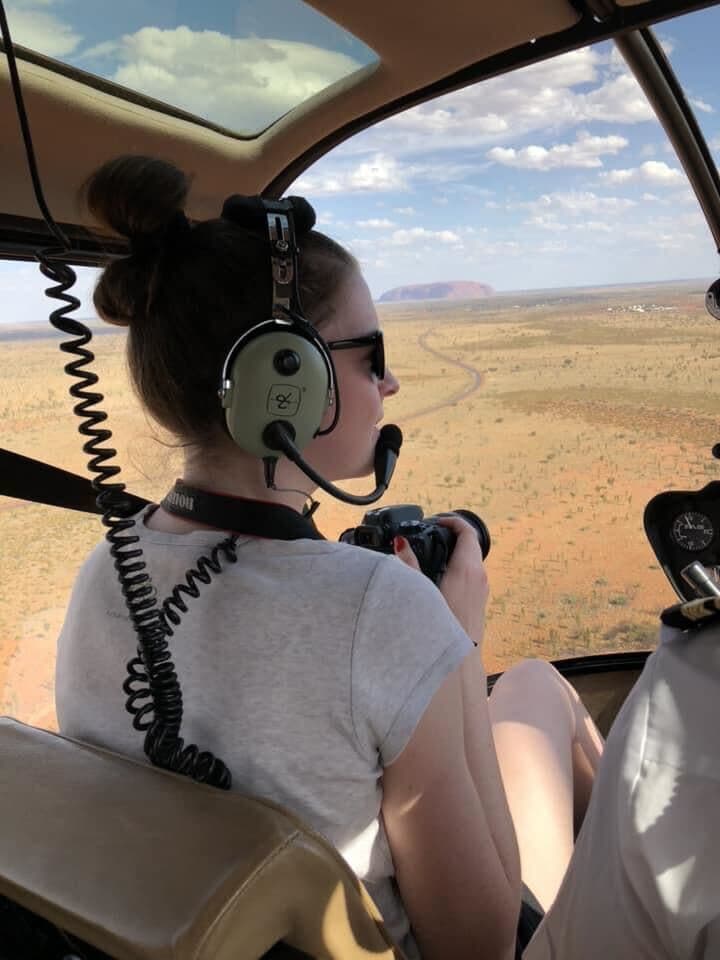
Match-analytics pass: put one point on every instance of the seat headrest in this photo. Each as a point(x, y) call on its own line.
point(147, 865)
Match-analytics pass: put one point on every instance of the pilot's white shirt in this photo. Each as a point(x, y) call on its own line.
point(644, 880)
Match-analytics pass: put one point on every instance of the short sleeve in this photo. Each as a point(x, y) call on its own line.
point(406, 641)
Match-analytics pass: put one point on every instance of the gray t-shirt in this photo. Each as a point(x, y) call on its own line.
point(305, 666)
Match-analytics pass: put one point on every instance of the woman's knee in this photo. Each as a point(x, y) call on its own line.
point(533, 688)
point(529, 675)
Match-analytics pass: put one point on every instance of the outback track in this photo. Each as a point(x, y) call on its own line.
point(472, 387)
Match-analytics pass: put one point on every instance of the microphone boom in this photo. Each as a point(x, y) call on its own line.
point(387, 451)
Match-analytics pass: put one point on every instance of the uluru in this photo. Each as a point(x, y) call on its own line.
point(444, 290)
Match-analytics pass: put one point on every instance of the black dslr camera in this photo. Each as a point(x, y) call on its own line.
point(431, 543)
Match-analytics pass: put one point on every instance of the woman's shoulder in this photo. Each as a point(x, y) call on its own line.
point(384, 572)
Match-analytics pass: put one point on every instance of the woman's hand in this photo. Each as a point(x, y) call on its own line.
point(464, 584)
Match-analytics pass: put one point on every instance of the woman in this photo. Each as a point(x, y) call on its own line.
point(331, 679)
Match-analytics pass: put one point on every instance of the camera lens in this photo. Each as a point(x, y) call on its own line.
point(483, 534)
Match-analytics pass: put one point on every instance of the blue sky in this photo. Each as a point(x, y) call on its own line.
point(558, 175)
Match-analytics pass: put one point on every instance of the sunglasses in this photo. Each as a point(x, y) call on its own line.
point(374, 340)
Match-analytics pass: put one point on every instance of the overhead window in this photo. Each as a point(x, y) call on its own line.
point(239, 64)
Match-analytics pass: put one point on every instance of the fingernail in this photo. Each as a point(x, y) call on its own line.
point(399, 543)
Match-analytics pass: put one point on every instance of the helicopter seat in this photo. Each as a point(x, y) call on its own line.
point(142, 864)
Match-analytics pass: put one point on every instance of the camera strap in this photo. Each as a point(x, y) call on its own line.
point(254, 518)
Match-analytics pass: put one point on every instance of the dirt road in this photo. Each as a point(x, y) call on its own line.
point(476, 379)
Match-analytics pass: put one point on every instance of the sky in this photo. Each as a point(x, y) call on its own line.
point(558, 175)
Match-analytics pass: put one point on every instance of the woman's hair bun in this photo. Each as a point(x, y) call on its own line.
point(136, 195)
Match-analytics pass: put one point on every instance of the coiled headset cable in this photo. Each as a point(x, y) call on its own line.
point(153, 689)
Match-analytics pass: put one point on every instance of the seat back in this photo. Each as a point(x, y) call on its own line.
point(147, 865)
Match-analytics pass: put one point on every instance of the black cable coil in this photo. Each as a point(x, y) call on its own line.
point(152, 686)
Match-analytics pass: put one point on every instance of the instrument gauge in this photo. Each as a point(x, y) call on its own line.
point(692, 530)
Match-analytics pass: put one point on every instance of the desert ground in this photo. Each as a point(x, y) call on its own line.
point(556, 416)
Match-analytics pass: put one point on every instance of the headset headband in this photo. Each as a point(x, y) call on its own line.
point(281, 222)
point(283, 255)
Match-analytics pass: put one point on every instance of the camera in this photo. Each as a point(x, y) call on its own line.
point(431, 543)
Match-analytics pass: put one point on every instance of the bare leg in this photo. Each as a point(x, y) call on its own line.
point(548, 750)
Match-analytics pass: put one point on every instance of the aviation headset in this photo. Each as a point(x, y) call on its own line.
point(280, 371)
point(278, 379)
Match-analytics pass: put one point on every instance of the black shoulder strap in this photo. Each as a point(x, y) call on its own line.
point(256, 518)
point(28, 479)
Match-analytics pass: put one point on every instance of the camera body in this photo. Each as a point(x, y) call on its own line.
point(431, 543)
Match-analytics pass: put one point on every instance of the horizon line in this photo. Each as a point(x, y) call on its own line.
point(700, 281)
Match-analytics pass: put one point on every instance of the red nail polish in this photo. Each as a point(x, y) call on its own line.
point(399, 543)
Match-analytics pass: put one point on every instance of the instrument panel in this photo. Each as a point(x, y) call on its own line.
point(683, 527)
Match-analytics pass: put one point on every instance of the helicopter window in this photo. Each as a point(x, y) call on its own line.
point(237, 65)
point(566, 369)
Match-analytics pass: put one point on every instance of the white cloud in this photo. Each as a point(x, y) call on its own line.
point(405, 211)
point(552, 248)
point(651, 171)
point(551, 223)
point(243, 83)
point(701, 105)
point(552, 94)
point(661, 173)
point(715, 143)
point(402, 238)
point(573, 203)
point(585, 152)
point(596, 226)
point(546, 223)
point(376, 223)
point(381, 173)
point(443, 170)
point(620, 176)
point(621, 100)
point(31, 26)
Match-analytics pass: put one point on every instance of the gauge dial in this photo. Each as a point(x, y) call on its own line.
point(692, 530)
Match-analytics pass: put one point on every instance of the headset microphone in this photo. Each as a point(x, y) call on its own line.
point(387, 451)
point(278, 436)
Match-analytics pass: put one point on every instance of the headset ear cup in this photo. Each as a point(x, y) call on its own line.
point(278, 374)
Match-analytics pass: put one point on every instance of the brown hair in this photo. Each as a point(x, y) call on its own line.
point(188, 292)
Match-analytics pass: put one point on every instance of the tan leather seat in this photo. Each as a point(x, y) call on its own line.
point(146, 865)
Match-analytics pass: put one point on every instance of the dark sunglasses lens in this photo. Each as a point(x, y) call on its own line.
point(378, 360)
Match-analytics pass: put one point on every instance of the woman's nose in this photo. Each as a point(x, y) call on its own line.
point(390, 384)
